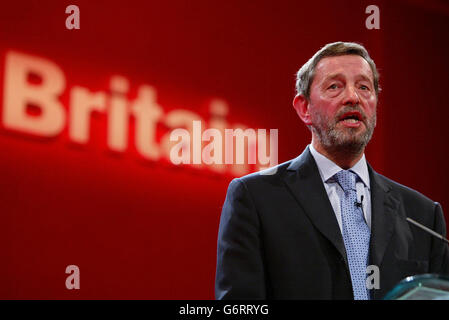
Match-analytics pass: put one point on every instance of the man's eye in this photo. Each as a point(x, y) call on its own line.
point(333, 86)
point(363, 87)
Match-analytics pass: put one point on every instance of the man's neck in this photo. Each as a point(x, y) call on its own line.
point(341, 157)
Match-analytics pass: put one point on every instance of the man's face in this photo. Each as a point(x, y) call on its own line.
point(343, 103)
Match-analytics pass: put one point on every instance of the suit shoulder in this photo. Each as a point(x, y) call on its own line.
point(406, 193)
point(269, 175)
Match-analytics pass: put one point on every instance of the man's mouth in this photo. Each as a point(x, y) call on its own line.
point(351, 117)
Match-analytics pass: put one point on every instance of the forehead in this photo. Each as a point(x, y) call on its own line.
point(348, 65)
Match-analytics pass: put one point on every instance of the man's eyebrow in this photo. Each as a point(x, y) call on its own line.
point(364, 77)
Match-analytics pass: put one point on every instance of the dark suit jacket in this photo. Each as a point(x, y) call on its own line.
point(279, 237)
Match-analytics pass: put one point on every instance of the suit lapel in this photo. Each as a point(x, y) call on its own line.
point(383, 207)
point(304, 181)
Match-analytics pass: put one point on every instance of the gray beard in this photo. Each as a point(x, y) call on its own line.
point(341, 140)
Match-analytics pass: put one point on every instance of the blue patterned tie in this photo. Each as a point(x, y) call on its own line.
point(356, 234)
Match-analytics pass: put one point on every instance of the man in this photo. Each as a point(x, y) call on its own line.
point(312, 229)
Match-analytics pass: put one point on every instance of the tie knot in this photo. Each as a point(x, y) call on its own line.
point(346, 179)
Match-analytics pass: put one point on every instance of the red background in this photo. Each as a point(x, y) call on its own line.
point(147, 230)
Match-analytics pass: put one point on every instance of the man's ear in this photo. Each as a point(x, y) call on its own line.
point(301, 105)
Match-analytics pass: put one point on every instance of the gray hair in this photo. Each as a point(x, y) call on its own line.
point(306, 73)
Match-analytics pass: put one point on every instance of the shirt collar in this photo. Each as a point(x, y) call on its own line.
point(328, 168)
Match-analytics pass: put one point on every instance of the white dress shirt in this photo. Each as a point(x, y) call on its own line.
point(328, 169)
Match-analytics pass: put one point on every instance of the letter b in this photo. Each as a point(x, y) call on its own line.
point(19, 93)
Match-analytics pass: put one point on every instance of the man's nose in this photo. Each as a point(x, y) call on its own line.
point(351, 96)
